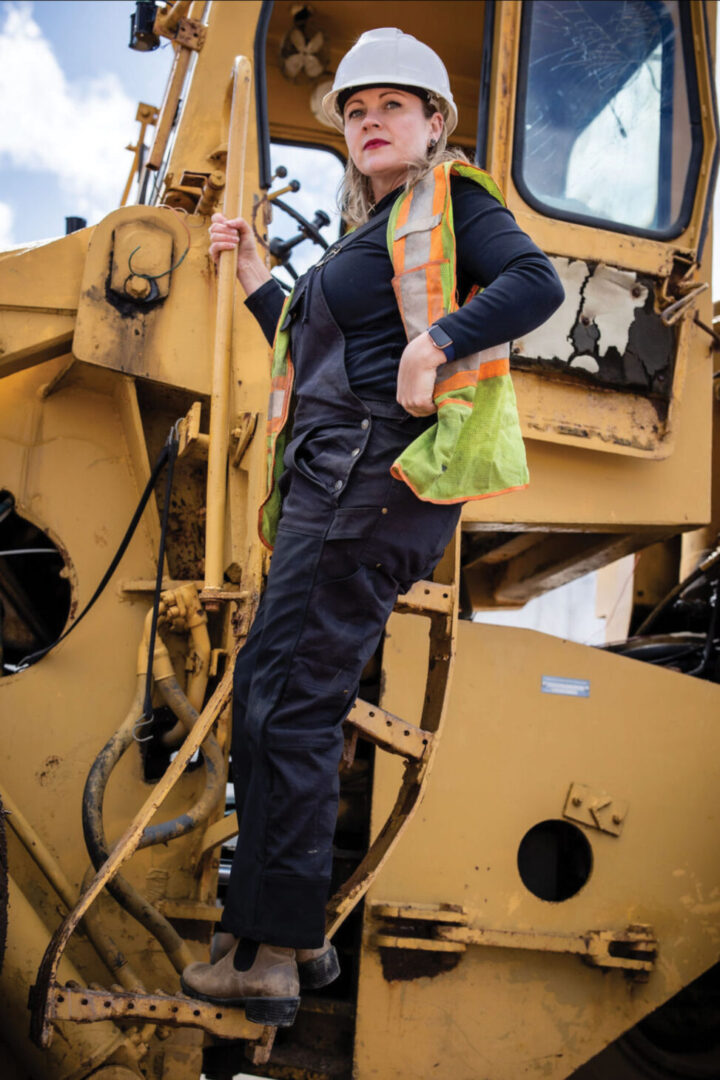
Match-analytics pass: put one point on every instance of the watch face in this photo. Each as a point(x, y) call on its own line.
point(441, 339)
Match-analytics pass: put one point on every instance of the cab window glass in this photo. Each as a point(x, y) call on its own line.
point(608, 126)
point(319, 172)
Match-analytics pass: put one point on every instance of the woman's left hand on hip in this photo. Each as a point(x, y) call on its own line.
point(416, 375)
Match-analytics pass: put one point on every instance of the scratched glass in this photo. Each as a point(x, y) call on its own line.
point(604, 128)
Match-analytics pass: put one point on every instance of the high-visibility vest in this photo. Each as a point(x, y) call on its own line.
point(475, 449)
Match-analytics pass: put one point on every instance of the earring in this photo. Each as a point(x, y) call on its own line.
point(432, 144)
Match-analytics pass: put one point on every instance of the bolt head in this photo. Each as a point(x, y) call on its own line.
point(138, 288)
point(577, 801)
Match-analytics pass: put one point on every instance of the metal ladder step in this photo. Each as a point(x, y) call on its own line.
point(387, 731)
point(85, 1005)
point(427, 598)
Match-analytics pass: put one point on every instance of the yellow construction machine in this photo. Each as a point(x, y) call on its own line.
point(526, 861)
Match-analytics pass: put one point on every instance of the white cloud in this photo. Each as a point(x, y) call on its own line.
point(75, 129)
point(6, 227)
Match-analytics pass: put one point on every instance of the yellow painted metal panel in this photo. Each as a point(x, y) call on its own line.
point(508, 757)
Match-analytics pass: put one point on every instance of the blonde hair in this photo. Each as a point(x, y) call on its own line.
point(355, 196)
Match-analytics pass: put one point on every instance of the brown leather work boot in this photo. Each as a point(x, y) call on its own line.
point(262, 978)
point(222, 942)
point(317, 967)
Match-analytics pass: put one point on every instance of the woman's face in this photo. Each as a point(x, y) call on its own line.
point(385, 130)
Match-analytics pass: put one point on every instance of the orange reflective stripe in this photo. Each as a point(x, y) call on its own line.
point(399, 246)
point(438, 207)
point(435, 300)
point(459, 381)
point(399, 473)
point(455, 401)
point(494, 367)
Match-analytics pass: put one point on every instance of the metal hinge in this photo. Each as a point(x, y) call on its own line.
point(451, 928)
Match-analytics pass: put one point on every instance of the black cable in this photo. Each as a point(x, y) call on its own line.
point(262, 123)
point(702, 570)
point(163, 456)
point(172, 448)
point(712, 628)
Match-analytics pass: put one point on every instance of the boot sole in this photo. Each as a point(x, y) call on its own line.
point(319, 972)
point(270, 1011)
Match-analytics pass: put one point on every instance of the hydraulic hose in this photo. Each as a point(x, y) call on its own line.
point(93, 797)
point(706, 565)
point(215, 771)
point(114, 959)
point(198, 678)
point(126, 894)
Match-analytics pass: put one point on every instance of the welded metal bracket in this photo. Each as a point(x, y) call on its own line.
point(596, 809)
point(451, 928)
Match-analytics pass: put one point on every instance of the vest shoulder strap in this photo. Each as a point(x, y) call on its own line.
point(421, 243)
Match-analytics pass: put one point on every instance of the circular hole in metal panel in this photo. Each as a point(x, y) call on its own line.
point(554, 860)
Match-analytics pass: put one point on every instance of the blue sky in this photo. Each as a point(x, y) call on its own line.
point(70, 88)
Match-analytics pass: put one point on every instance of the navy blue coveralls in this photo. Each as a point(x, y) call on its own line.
point(350, 538)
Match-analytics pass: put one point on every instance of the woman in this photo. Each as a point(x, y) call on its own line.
point(374, 391)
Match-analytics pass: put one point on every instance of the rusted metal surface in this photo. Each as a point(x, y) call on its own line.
point(606, 332)
point(259, 1052)
point(400, 963)
point(85, 1006)
point(191, 34)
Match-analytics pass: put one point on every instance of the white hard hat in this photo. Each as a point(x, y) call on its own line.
point(388, 57)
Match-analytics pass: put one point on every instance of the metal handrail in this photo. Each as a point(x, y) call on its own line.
point(220, 395)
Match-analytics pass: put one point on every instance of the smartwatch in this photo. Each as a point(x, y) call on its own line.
point(442, 341)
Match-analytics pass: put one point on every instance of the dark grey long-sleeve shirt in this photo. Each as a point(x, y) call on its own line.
point(520, 291)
